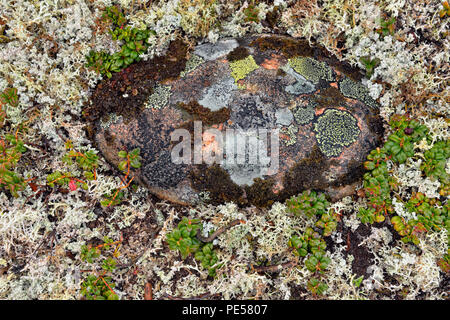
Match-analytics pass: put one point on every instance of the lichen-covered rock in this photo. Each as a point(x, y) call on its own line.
point(260, 95)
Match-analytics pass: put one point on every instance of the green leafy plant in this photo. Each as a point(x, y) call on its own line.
point(308, 203)
point(444, 263)
point(183, 238)
point(208, 258)
point(370, 65)
point(436, 160)
point(11, 150)
point(87, 161)
point(316, 287)
point(445, 11)
point(130, 160)
point(317, 262)
point(387, 27)
point(251, 13)
point(378, 182)
point(98, 285)
point(134, 44)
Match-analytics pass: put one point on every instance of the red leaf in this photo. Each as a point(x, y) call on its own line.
point(72, 185)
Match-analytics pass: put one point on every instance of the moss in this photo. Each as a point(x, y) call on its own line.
point(356, 90)
point(305, 175)
point(311, 69)
point(241, 68)
point(260, 192)
point(127, 91)
point(287, 46)
point(304, 115)
point(335, 129)
point(208, 117)
point(238, 53)
point(218, 183)
point(329, 97)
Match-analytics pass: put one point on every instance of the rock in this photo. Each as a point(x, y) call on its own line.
point(295, 118)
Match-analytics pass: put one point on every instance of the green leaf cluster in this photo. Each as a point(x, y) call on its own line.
point(183, 238)
point(308, 203)
point(132, 157)
point(11, 150)
point(436, 160)
point(95, 286)
point(134, 44)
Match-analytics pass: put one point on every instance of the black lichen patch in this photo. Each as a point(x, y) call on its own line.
point(238, 53)
point(126, 92)
point(200, 113)
point(162, 172)
point(218, 183)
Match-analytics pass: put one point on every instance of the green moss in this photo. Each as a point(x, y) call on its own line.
point(241, 68)
point(356, 90)
point(311, 69)
point(335, 129)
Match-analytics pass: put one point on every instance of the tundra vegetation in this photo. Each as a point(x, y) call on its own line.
point(65, 212)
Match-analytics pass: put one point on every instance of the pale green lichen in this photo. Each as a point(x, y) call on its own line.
point(335, 129)
point(304, 115)
point(241, 68)
point(290, 131)
point(311, 69)
point(159, 98)
point(192, 64)
point(356, 90)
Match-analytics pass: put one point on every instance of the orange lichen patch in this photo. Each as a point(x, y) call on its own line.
point(271, 64)
point(334, 84)
point(210, 144)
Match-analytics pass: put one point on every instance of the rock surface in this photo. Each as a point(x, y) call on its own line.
point(327, 121)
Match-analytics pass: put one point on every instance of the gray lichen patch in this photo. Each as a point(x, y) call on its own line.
point(112, 118)
point(335, 129)
point(301, 86)
point(159, 98)
point(356, 90)
point(209, 51)
point(218, 95)
point(311, 69)
point(284, 116)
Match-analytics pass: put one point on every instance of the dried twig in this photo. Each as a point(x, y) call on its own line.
point(274, 268)
point(219, 231)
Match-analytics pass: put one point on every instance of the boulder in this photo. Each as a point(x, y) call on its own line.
point(251, 120)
